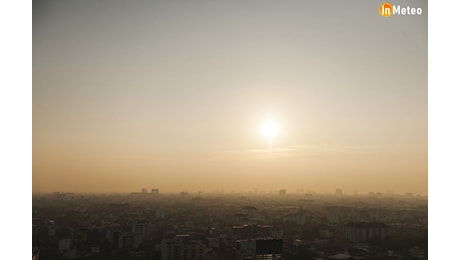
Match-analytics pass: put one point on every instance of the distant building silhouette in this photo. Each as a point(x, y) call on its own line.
point(282, 192)
point(144, 192)
point(338, 192)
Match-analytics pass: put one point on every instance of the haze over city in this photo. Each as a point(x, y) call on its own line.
point(234, 96)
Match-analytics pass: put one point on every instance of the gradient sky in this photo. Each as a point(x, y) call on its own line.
point(171, 95)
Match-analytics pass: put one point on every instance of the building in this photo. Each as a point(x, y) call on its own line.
point(182, 247)
point(140, 231)
point(260, 249)
point(366, 231)
point(282, 192)
point(338, 192)
point(417, 253)
point(144, 192)
point(269, 249)
point(160, 213)
point(250, 211)
point(298, 218)
point(251, 231)
point(126, 240)
point(64, 244)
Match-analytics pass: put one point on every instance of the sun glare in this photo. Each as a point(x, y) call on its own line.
point(269, 129)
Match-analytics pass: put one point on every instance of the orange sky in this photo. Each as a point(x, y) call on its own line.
point(172, 95)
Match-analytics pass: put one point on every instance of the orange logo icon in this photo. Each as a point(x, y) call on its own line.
point(386, 10)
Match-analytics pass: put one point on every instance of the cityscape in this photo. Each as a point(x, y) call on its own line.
point(233, 130)
point(278, 225)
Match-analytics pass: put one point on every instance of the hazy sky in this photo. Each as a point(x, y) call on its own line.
point(172, 94)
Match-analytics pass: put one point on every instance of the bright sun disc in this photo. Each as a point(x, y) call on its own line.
point(269, 129)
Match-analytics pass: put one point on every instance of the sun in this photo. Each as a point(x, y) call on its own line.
point(269, 129)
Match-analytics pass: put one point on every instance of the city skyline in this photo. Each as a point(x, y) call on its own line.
point(174, 95)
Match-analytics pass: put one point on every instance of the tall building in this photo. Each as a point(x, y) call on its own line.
point(282, 192)
point(140, 231)
point(182, 247)
point(260, 249)
point(366, 231)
